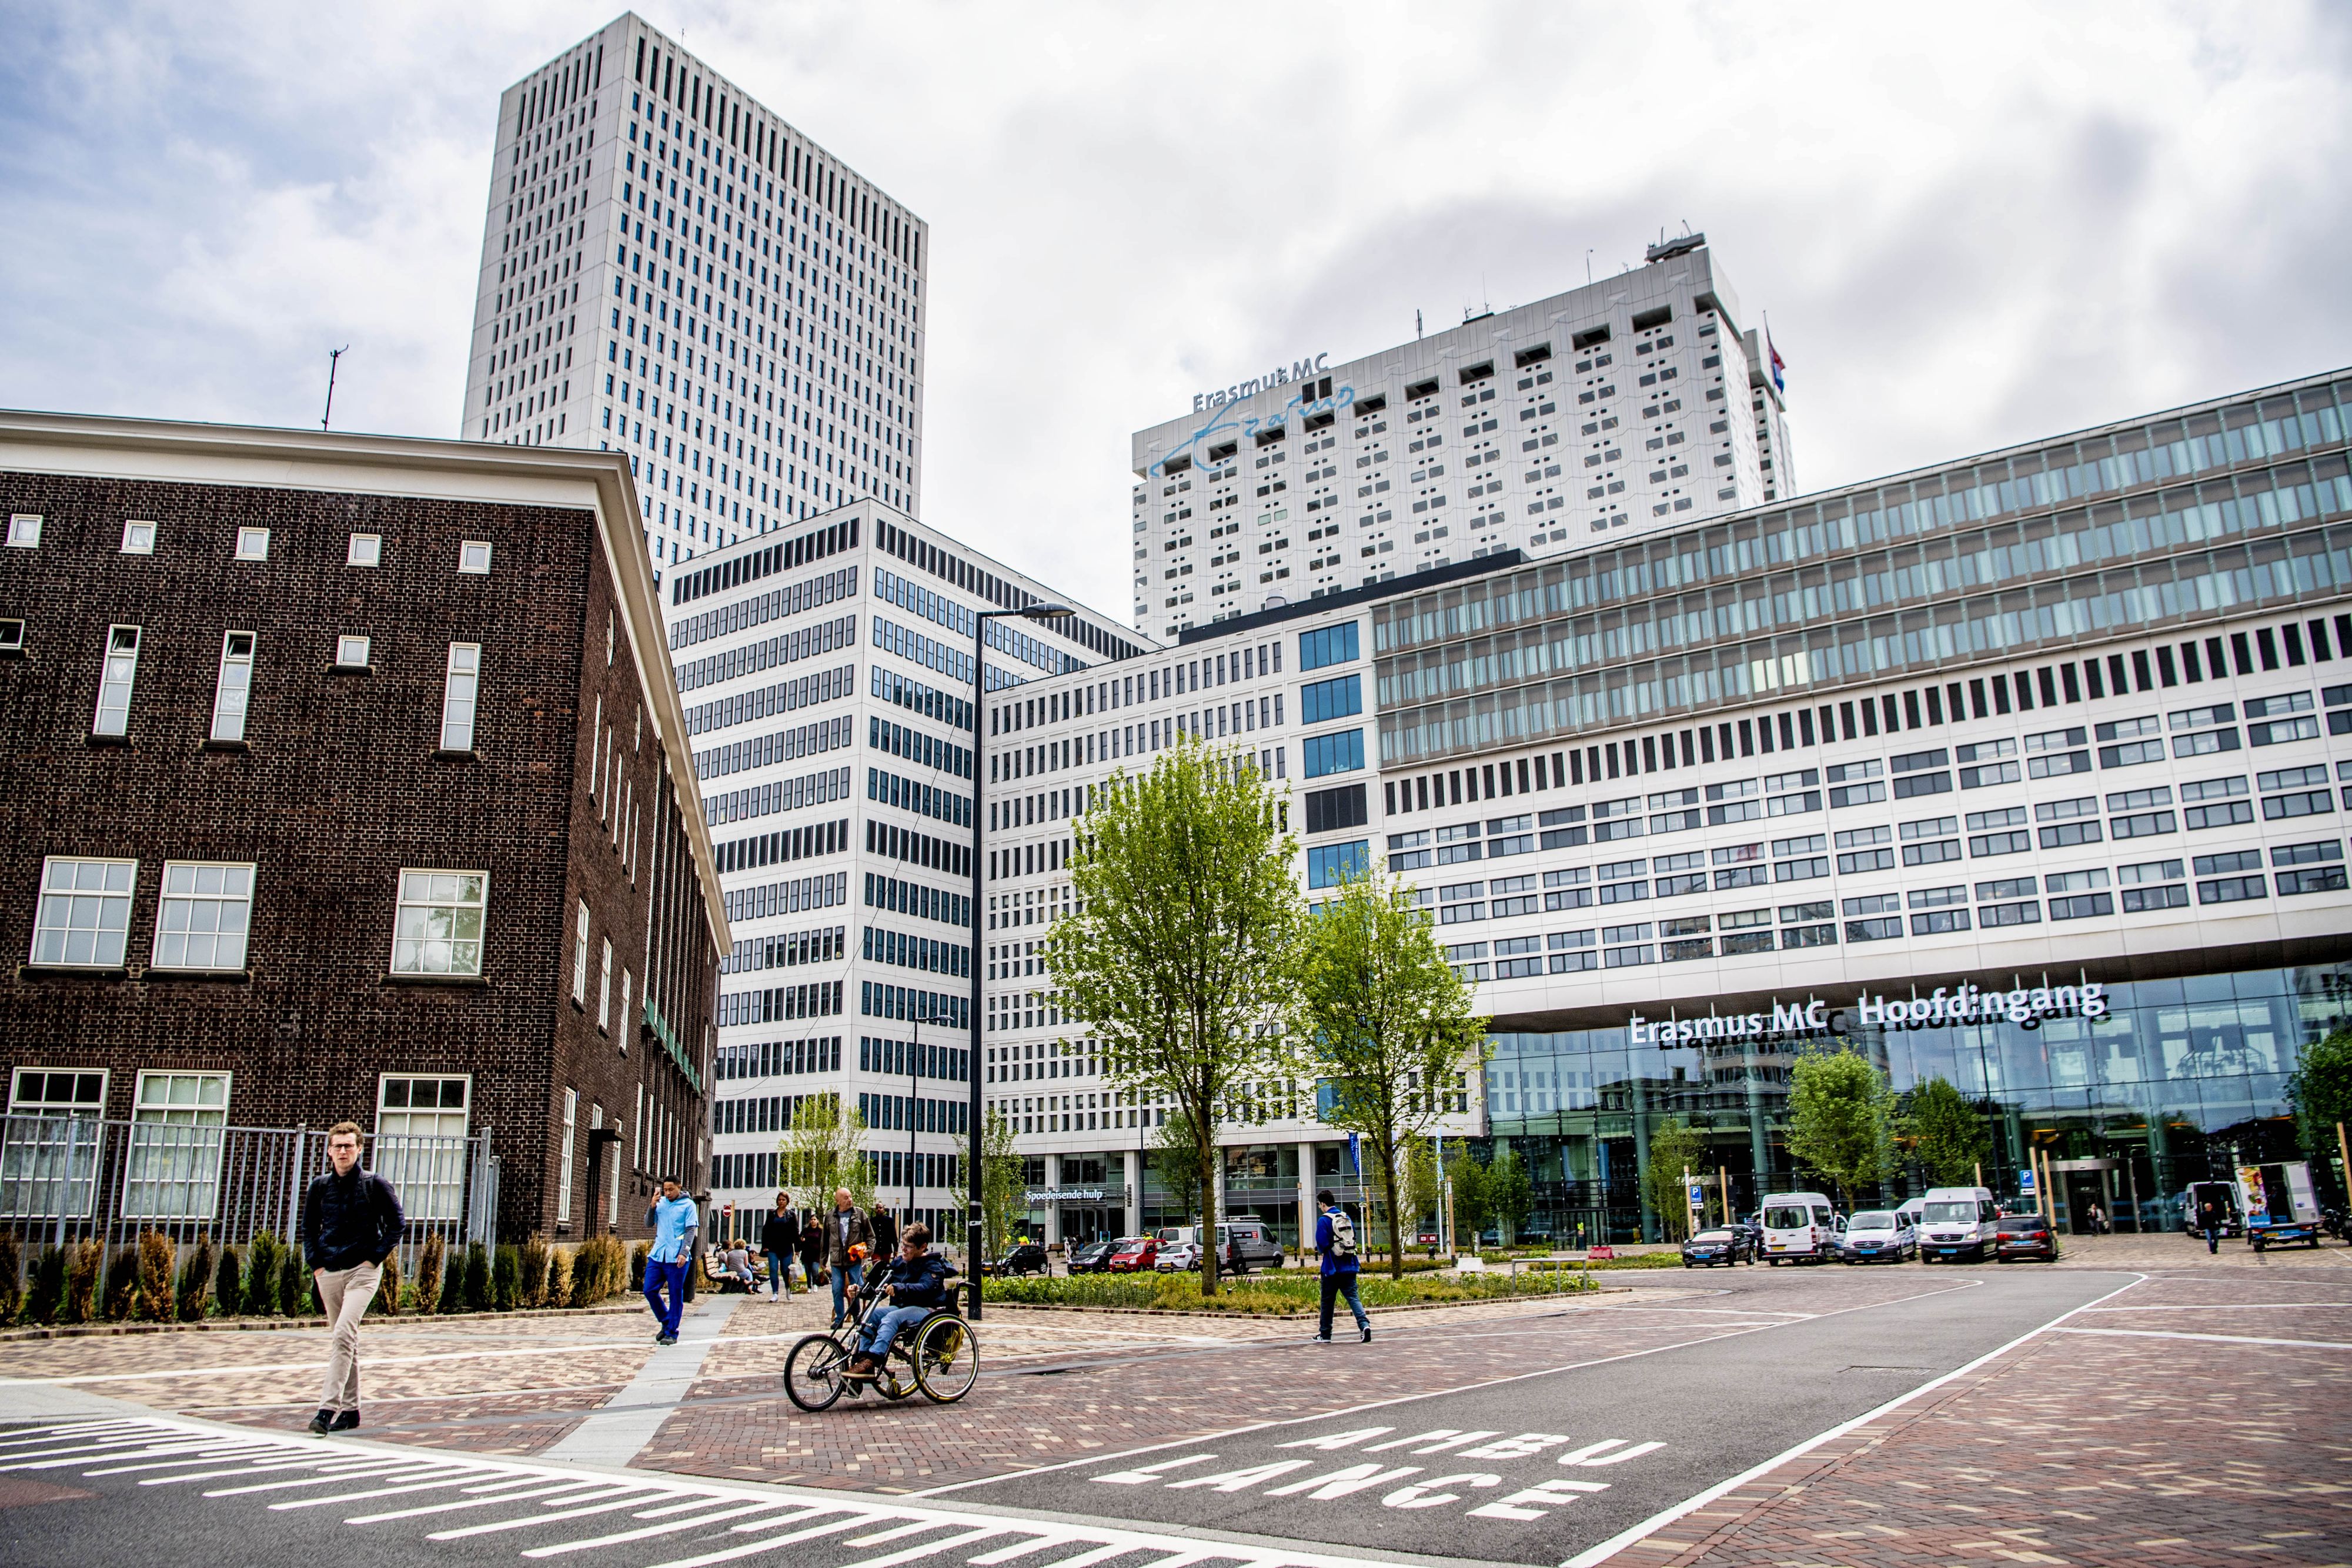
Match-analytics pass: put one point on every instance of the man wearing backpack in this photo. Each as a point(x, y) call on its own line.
point(1335, 1239)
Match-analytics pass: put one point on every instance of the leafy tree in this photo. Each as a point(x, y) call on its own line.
point(1004, 1190)
point(1389, 1024)
point(2320, 1090)
point(821, 1152)
point(1422, 1194)
point(1947, 1133)
point(1472, 1205)
point(1510, 1192)
point(1674, 1147)
point(1176, 1146)
point(1180, 951)
point(1841, 1119)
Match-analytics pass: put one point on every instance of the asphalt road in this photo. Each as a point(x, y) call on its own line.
point(1554, 1460)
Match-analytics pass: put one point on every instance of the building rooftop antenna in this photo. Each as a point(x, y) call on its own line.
point(334, 358)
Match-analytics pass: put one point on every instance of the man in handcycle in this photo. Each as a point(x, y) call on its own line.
point(905, 1292)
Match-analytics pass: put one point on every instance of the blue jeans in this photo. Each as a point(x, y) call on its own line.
point(673, 1277)
point(1335, 1285)
point(882, 1326)
point(779, 1274)
point(841, 1281)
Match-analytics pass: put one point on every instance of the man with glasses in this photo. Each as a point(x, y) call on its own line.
point(351, 1223)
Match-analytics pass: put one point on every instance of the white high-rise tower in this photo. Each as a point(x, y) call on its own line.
point(671, 270)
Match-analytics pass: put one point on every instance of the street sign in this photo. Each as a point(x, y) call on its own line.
point(2025, 1181)
point(1602, 1250)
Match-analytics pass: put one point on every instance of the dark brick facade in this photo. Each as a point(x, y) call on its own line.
point(341, 784)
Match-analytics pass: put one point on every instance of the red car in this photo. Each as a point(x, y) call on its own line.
point(2025, 1236)
point(1137, 1254)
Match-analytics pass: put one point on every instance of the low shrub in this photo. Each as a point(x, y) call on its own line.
point(11, 1276)
point(638, 1252)
point(292, 1284)
point(532, 1291)
point(505, 1276)
point(228, 1284)
point(1271, 1292)
point(557, 1291)
point(429, 1260)
point(120, 1296)
point(156, 1300)
point(386, 1300)
point(598, 1267)
point(195, 1280)
point(47, 1298)
point(261, 1270)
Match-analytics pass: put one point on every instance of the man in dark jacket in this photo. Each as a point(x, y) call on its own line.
point(1335, 1239)
point(913, 1287)
point(351, 1224)
point(849, 1242)
point(780, 1238)
point(886, 1231)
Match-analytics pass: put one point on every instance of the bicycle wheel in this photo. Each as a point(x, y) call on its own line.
point(812, 1371)
point(947, 1359)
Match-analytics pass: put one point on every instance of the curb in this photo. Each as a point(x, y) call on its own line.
point(272, 1326)
point(1244, 1316)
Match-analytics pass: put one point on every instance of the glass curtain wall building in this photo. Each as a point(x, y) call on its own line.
point(2028, 771)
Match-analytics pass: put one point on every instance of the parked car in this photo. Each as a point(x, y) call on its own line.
point(1961, 1222)
point(1799, 1227)
point(1022, 1257)
point(1722, 1245)
point(1243, 1244)
point(1878, 1235)
point(1178, 1257)
point(2025, 1236)
point(1092, 1257)
point(1133, 1255)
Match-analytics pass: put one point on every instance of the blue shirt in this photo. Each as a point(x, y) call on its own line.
point(1333, 1262)
point(673, 1218)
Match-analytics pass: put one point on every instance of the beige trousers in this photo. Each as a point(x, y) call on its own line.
point(345, 1293)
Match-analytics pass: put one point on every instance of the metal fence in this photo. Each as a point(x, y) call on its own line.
point(71, 1179)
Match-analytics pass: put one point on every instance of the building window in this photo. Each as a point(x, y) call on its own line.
point(115, 680)
point(458, 694)
point(604, 989)
point(12, 636)
point(234, 687)
point(563, 1171)
point(351, 652)
point(85, 912)
point(625, 1021)
point(203, 916)
point(253, 544)
point(24, 531)
point(365, 550)
point(177, 1124)
point(138, 538)
point(420, 1142)
point(474, 556)
point(580, 958)
point(48, 1161)
point(438, 926)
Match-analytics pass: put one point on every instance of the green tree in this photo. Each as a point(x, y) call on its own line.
point(2320, 1090)
point(1181, 949)
point(1511, 1193)
point(1473, 1203)
point(1841, 1119)
point(1003, 1190)
point(1176, 1159)
point(1422, 1194)
point(820, 1154)
point(1390, 1025)
point(1674, 1147)
point(1947, 1133)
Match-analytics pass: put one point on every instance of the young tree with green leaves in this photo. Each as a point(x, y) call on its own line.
point(1391, 1025)
point(1177, 1146)
point(1003, 1191)
point(1947, 1133)
point(2320, 1090)
point(1511, 1193)
point(1179, 953)
point(1473, 1201)
point(821, 1154)
point(1674, 1147)
point(1841, 1119)
point(1423, 1194)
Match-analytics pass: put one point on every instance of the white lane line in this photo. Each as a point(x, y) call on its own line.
point(728, 1554)
point(582, 1491)
point(1733, 1332)
point(1022, 1548)
point(2216, 1338)
point(897, 1532)
point(647, 1533)
point(933, 1549)
point(1592, 1556)
point(2230, 1307)
point(532, 1521)
point(328, 1478)
point(451, 1477)
point(67, 1459)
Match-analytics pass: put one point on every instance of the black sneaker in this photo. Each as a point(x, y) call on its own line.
point(667, 1339)
point(1368, 1333)
point(1319, 1339)
point(349, 1421)
point(322, 1423)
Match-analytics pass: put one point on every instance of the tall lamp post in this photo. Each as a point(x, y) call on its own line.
point(977, 1129)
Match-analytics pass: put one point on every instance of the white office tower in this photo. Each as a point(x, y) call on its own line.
point(670, 270)
point(826, 674)
point(1642, 401)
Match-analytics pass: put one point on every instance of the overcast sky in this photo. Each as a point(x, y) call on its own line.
point(2014, 223)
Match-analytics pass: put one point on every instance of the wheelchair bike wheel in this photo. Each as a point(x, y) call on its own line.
point(812, 1371)
point(946, 1354)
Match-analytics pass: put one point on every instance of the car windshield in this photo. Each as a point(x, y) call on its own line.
point(1712, 1236)
point(1951, 1213)
point(2023, 1222)
point(1872, 1219)
point(1786, 1216)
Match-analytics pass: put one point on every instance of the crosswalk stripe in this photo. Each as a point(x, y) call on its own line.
point(977, 1532)
point(533, 1520)
point(583, 1489)
point(647, 1533)
point(730, 1553)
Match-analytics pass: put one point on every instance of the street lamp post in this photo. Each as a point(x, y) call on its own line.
point(976, 1128)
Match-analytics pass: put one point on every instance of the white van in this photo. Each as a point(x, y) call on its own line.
point(1957, 1222)
point(1914, 1212)
point(1800, 1226)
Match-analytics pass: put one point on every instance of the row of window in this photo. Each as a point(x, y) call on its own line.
point(139, 538)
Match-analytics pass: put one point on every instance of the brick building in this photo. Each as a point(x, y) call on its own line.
point(344, 778)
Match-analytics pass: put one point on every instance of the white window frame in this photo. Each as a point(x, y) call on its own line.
point(626, 1023)
point(233, 688)
point(365, 550)
point(12, 635)
point(461, 689)
point(24, 530)
point(138, 536)
point(65, 911)
point(349, 643)
point(229, 910)
point(423, 935)
point(470, 564)
point(580, 958)
point(48, 1167)
point(563, 1175)
point(604, 991)
point(172, 1167)
point(423, 1150)
point(117, 679)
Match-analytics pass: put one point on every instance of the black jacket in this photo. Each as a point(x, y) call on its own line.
point(920, 1282)
point(780, 1234)
point(886, 1232)
point(350, 1220)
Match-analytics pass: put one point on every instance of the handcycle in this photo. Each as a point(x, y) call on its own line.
point(938, 1354)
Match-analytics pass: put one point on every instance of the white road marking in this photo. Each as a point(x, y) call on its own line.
point(647, 1533)
point(2231, 1307)
point(2216, 1338)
